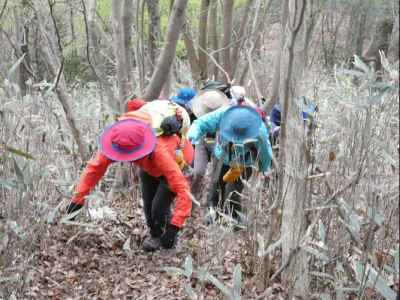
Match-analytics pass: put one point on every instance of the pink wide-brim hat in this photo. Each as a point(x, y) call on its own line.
point(127, 140)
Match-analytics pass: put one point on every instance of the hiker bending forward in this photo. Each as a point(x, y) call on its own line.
point(242, 143)
point(132, 139)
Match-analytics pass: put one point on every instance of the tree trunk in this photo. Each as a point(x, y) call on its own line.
point(122, 12)
point(256, 31)
point(240, 41)
point(213, 36)
point(22, 35)
point(226, 41)
point(139, 48)
point(355, 34)
point(310, 21)
point(56, 70)
point(292, 185)
point(191, 54)
point(274, 97)
point(203, 38)
point(393, 51)
point(153, 8)
point(93, 54)
point(166, 58)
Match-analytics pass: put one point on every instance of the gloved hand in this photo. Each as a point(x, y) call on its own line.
point(169, 237)
point(72, 207)
point(233, 174)
point(179, 159)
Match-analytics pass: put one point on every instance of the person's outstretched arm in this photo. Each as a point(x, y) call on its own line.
point(92, 174)
point(209, 123)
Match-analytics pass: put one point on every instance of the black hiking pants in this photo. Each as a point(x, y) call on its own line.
point(157, 200)
point(225, 190)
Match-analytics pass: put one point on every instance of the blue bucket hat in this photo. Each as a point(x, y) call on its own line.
point(239, 124)
point(183, 96)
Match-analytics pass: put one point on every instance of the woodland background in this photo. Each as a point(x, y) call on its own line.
point(326, 227)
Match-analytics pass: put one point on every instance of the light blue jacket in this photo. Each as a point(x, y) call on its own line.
point(209, 123)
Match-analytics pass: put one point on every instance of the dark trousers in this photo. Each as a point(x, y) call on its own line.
point(221, 190)
point(157, 200)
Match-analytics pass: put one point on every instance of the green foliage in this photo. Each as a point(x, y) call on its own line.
point(104, 8)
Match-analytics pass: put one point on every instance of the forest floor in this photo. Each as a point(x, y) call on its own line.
point(104, 260)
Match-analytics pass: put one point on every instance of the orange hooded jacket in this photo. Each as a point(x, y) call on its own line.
point(161, 162)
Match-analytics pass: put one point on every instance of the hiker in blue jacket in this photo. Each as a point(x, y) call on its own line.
point(242, 144)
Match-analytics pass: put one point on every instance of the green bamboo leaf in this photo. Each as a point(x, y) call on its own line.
point(18, 152)
point(173, 271)
point(261, 252)
point(396, 256)
point(14, 67)
point(67, 218)
point(188, 266)
point(316, 253)
point(321, 231)
point(375, 216)
point(218, 284)
point(18, 172)
point(190, 292)
point(373, 280)
point(358, 63)
point(237, 282)
point(127, 245)
point(9, 184)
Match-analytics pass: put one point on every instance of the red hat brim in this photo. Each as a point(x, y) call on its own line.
point(114, 154)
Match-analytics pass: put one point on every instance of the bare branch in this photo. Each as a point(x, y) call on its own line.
point(3, 9)
point(217, 64)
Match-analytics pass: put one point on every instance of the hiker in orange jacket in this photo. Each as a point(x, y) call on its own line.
point(132, 139)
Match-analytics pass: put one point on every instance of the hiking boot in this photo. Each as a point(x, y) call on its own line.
point(151, 244)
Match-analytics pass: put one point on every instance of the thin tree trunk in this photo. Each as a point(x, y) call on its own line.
point(226, 41)
point(122, 18)
point(22, 34)
point(203, 38)
point(93, 54)
point(274, 97)
point(393, 51)
point(355, 34)
point(56, 70)
point(240, 36)
point(166, 58)
point(309, 24)
point(292, 185)
point(213, 36)
point(257, 31)
point(191, 54)
point(153, 8)
point(139, 56)
point(72, 28)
